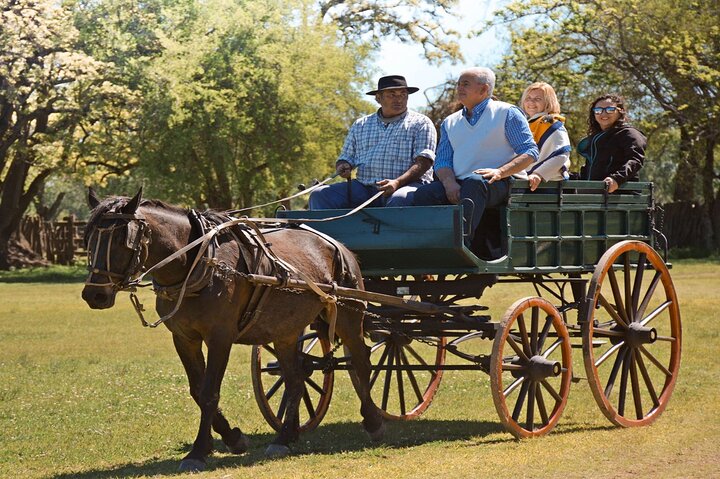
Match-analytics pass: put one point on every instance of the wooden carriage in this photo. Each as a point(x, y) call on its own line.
point(601, 286)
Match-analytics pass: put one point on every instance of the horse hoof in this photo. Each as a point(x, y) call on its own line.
point(241, 444)
point(191, 465)
point(377, 434)
point(275, 451)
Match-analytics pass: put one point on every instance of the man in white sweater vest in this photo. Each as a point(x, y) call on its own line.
point(480, 147)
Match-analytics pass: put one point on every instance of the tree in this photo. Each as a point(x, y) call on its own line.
point(419, 21)
point(245, 113)
point(47, 90)
point(664, 55)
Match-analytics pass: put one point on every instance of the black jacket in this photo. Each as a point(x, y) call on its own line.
point(617, 152)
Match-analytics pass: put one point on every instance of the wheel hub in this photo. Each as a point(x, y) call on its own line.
point(637, 335)
point(539, 368)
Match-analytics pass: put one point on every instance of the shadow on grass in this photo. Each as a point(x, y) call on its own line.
point(326, 439)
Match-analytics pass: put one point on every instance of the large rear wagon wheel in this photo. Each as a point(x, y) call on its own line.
point(269, 383)
point(531, 368)
point(632, 334)
point(406, 373)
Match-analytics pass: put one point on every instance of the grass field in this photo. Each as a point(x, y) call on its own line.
point(88, 394)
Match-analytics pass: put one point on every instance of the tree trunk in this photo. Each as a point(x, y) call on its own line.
point(687, 170)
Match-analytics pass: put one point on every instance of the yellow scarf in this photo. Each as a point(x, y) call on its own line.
point(539, 125)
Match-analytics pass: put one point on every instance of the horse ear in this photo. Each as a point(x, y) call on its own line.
point(92, 198)
point(132, 205)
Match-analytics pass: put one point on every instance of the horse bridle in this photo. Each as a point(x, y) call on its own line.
point(137, 239)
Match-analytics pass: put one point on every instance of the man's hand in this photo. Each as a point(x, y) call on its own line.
point(490, 174)
point(452, 190)
point(534, 180)
point(343, 169)
point(388, 187)
point(612, 185)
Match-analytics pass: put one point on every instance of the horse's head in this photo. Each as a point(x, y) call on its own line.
point(117, 239)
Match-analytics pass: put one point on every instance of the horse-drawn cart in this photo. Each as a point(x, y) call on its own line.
point(600, 285)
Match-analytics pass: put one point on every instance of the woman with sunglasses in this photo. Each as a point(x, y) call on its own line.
point(541, 106)
point(614, 151)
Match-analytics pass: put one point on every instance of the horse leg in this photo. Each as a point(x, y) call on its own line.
point(193, 360)
point(349, 328)
point(205, 385)
point(287, 355)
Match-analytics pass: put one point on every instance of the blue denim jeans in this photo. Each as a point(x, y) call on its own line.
point(478, 190)
point(354, 193)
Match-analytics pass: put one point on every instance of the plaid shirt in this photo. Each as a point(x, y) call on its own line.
point(385, 152)
point(517, 133)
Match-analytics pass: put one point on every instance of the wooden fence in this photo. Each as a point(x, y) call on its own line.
point(59, 242)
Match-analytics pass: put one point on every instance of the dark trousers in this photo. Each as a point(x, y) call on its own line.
point(478, 190)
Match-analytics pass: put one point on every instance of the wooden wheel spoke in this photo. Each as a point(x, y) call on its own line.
point(649, 294)
point(544, 333)
point(411, 378)
point(628, 288)
point(311, 344)
point(415, 355)
point(273, 389)
point(551, 390)
point(283, 406)
point(647, 380)
point(308, 403)
point(513, 344)
point(619, 303)
point(530, 418)
point(524, 335)
point(656, 312)
point(608, 353)
point(508, 390)
point(558, 342)
point(635, 386)
point(615, 369)
point(654, 360)
point(388, 378)
point(623, 383)
point(638, 282)
point(541, 405)
point(534, 332)
point(608, 332)
point(520, 400)
point(377, 372)
point(269, 349)
point(611, 310)
point(401, 389)
point(315, 386)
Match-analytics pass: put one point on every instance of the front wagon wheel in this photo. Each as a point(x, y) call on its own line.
point(632, 334)
point(531, 368)
point(269, 382)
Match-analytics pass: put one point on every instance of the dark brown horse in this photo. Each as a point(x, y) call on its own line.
point(126, 236)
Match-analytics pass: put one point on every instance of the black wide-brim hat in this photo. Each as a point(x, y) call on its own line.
point(393, 82)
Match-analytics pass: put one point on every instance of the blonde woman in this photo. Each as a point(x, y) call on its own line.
point(541, 106)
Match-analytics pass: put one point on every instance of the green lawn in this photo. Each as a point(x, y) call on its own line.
point(93, 394)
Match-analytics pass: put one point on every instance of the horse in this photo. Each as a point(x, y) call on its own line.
point(204, 295)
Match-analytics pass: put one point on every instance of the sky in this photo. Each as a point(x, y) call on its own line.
point(396, 58)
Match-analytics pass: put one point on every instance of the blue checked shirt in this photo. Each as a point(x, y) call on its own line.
point(517, 133)
point(385, 152)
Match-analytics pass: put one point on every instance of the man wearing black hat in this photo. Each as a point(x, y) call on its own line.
point(392, 149)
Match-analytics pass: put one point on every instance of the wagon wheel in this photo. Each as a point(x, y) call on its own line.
point(531, 368)
point(269, 384)
point(406, 373)
point(632, 335)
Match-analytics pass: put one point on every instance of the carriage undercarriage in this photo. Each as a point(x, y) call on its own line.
point(620, 310)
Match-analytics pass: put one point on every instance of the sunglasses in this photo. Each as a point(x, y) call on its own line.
point(608, 109)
